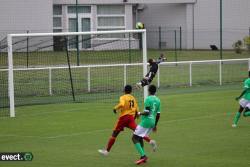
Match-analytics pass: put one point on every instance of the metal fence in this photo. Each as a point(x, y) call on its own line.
point(179, 38)
point(170, 74)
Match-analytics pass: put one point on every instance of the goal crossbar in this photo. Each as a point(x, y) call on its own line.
point(10, 54)
point(76, 33)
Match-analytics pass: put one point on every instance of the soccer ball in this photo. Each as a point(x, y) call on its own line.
point(139, 25)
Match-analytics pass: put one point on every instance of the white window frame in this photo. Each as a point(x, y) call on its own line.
point(100, 28)
point(78, 6)
point(61, 16)
point(80, 16)
point(57, 16)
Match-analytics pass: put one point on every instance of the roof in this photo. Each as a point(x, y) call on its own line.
point(122, 1)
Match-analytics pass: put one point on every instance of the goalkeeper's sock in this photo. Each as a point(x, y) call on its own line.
point(247, 114)
point(139, 149)
point(110, 143)
point(146, 138)
point(236, 118)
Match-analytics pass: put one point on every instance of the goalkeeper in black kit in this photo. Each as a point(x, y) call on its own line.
point(152, 72)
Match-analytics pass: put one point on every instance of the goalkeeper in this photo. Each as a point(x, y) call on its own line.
point(152, 72)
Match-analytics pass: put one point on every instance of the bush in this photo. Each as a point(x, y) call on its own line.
point(238, 45)
point(247, 42)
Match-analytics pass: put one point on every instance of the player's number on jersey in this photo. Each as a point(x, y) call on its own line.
point(154, 106)
point(131, 103)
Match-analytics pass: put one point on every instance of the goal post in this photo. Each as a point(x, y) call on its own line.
point(118, 41)
point(11, 77)
point(144, 44)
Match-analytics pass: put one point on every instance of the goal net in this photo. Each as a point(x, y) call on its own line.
point(45, 68)
point(4, 98)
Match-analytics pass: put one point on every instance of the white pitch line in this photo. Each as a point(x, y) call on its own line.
point(192, 118)
point(50, 112)
point(104, 130)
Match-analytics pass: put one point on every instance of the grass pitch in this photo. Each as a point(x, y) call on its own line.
point(194, 130)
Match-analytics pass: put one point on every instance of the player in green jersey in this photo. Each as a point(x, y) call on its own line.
point(149, 120)
point(244, 102)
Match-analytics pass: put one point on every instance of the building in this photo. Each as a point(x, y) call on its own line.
point(195, 24)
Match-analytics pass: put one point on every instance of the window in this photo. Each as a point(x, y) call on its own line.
point(72, 28)
point(57, 22)
point(110, 17)
point(110, 9)
point(57, 30)
point(111, 21)
point(80, 9)
point(57, 10)
point(57, 18)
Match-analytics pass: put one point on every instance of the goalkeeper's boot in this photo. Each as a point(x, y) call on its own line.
point(141, 160)
point(153, 144)
point(103, 152)
point(234, 125)
point(138, 85)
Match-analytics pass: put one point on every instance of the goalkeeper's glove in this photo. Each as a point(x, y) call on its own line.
point(162, 58)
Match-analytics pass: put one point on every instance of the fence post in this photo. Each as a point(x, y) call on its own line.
point(50, 82)
point(220, 72)
point(249, 32)
point(129, 47)
point(190, 74)
point(175, 45)
point(125, 75)
point(248, 64)
point(159, 37)
point(158, 76)
point(180, 38)
point(27, 51)
point(221, 30)
point(89, 78)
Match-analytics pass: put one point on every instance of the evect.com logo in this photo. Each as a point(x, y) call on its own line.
point(17, 156)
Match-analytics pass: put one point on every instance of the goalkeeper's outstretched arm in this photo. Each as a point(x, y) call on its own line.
point(162, 58)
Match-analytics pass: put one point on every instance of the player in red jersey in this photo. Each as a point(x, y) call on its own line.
point(128, 109)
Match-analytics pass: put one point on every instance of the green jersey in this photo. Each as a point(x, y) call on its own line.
point(247, 86)
point(152, 105)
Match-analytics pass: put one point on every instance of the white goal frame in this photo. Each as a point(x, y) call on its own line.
point(10, 55)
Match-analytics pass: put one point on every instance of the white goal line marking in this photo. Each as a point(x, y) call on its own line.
point(104, 130)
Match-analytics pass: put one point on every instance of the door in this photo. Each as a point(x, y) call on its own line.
point(72, 41)
point(86, 39)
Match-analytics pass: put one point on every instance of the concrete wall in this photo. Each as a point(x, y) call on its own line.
point(236, 22)
point(200, 23)
point(170, 17)
point(18, 16)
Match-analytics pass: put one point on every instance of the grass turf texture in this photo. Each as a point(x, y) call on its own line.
point(194, 130)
